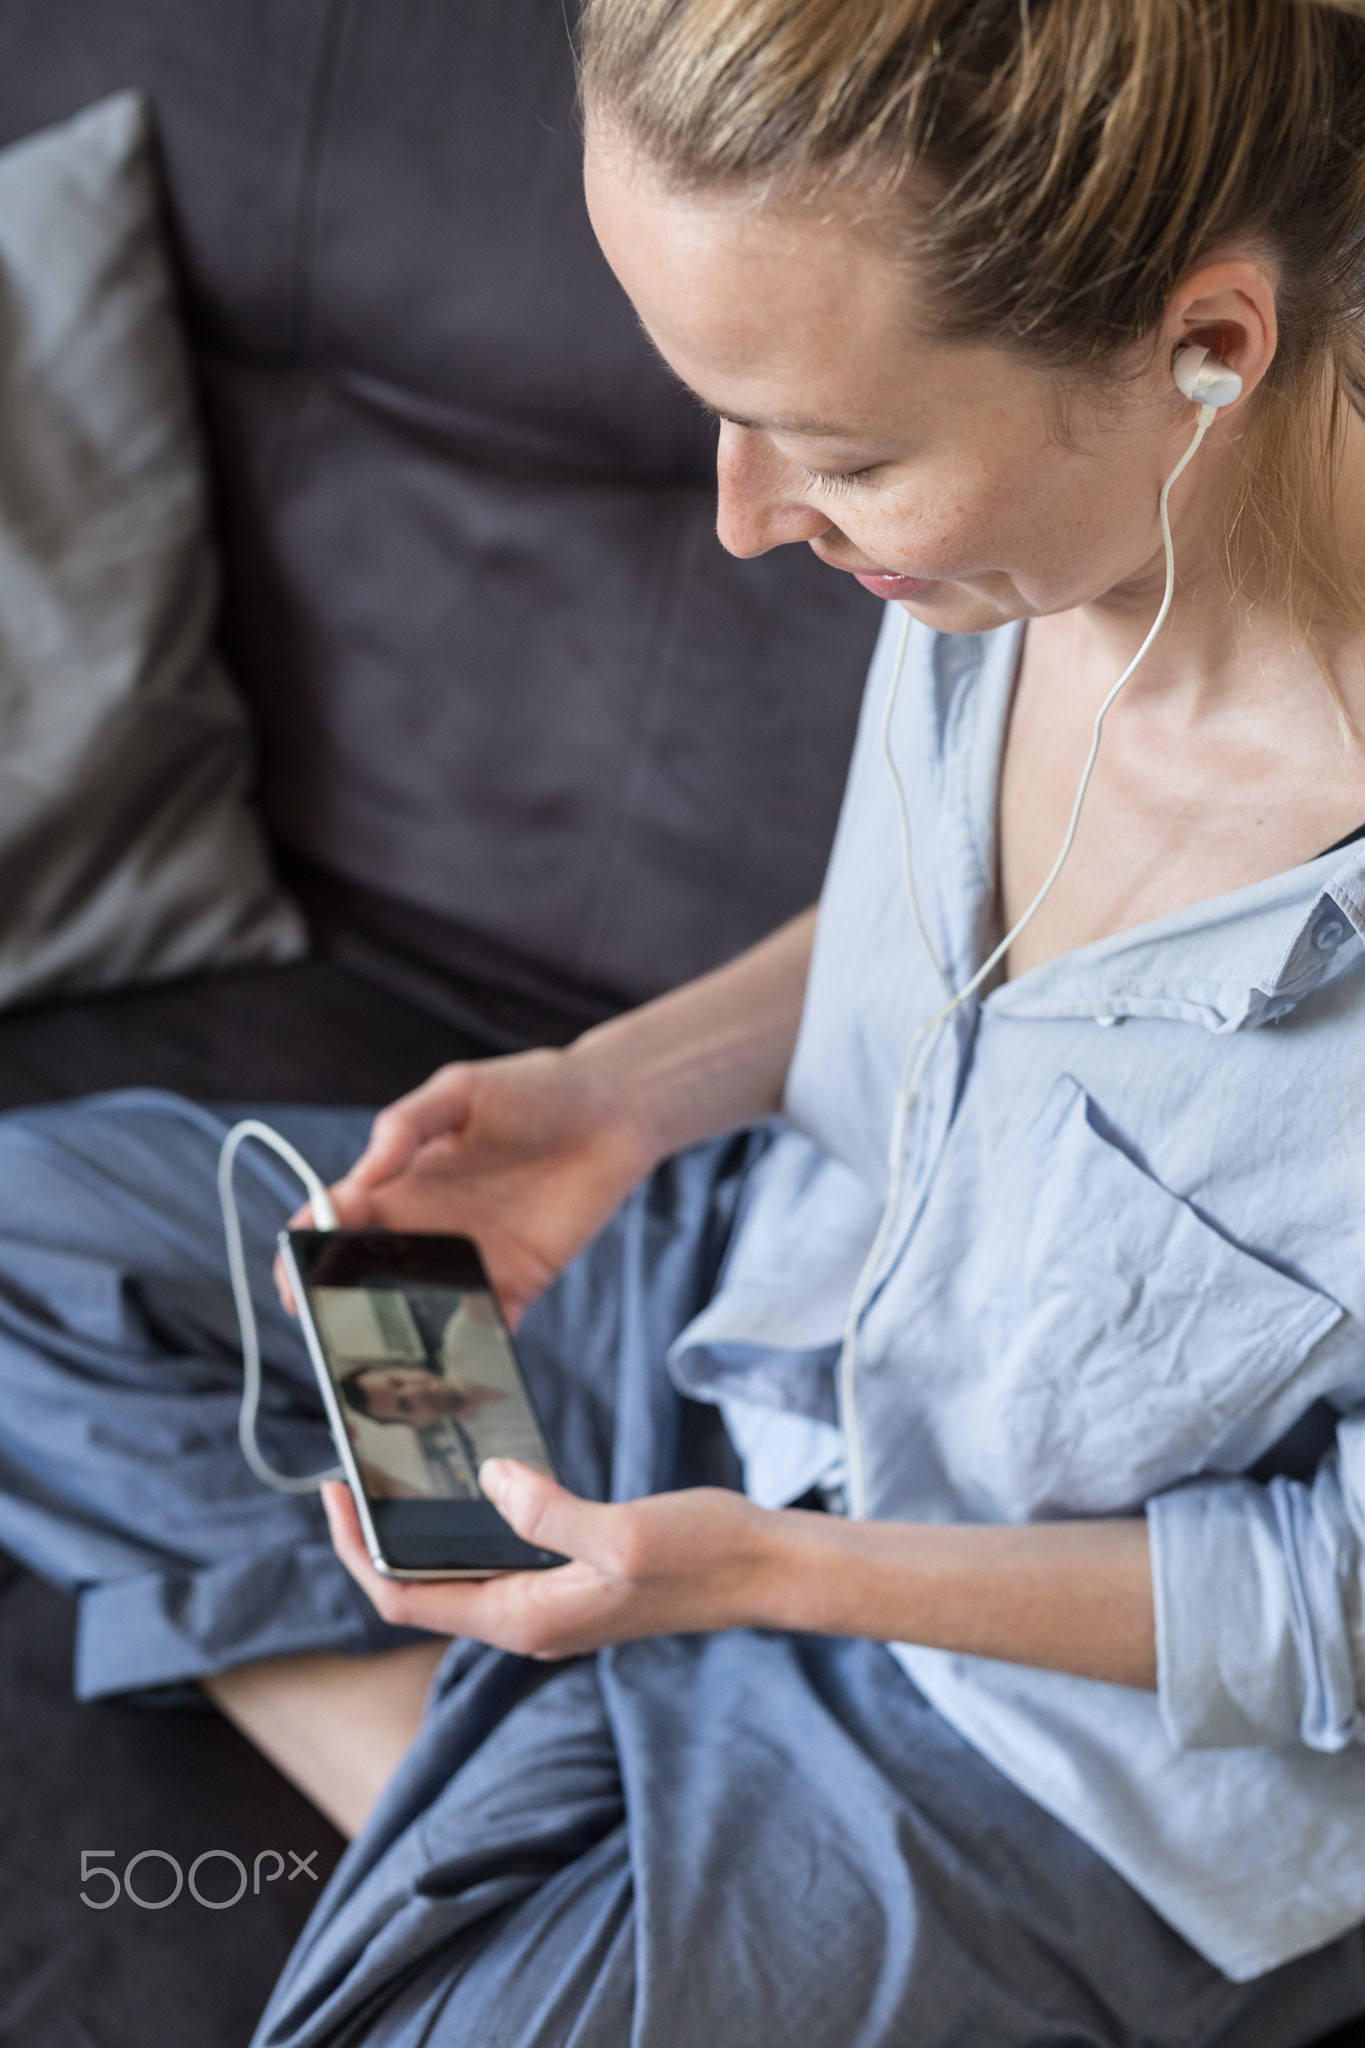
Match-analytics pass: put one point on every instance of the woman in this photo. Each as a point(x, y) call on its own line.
point(934, 266)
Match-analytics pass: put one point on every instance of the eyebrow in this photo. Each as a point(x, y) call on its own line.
point(783, 423)
point(821, 430)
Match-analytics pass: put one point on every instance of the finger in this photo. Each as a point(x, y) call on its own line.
point(343, 1524)
point(434, 1110)
point(541, 1511)
point(302, 1219)
point(349, 1544)
point(449, 1608)
point(284, 1287)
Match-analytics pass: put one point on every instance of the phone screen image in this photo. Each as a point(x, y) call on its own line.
point(425, 1385)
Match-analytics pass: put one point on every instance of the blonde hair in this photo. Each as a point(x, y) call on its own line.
point(1056, 167)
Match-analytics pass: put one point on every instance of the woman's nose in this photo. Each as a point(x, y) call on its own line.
point(760, 497)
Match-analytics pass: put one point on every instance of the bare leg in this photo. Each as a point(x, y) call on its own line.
point(337, 1726)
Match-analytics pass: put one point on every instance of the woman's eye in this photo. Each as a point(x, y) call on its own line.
point(842, 480)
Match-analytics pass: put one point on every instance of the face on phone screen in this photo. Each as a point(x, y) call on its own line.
point(426, 1386)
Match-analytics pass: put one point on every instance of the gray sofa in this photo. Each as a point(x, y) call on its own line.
point(532, 746)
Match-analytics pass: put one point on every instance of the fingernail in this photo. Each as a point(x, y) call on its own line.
point(492, 1472)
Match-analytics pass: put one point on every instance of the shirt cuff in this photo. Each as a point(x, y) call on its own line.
point(1253, 1644)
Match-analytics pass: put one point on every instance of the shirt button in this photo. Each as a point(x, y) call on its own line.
point(1328, 934)
point(1105, 1022)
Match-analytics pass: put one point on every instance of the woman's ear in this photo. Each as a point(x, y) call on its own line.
point(1229, 308)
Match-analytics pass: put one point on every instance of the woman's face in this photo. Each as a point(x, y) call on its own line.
point(409, 1393)
point(934, 474)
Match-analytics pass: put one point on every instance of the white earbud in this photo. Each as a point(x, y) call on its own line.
point(1204, 377)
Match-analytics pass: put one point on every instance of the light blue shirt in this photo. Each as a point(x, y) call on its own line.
point(1128, 1258)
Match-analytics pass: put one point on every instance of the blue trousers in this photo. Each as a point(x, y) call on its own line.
point(739, 1840)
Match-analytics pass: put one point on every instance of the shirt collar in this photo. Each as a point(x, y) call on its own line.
point(1231, 963)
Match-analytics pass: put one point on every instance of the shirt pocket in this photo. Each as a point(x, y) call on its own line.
point(1127, 1335)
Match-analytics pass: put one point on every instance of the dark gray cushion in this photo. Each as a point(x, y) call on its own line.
point(128, 847)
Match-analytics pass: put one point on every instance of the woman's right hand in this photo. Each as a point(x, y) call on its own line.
point(529, 1155)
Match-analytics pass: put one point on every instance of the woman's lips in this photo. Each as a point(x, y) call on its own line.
point(888, 585)
point(885, 582)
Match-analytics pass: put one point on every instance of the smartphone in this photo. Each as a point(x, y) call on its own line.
point(420, 1383)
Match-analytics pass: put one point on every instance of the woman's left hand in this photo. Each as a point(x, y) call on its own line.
point(671, 1563)
point(1062, 1596)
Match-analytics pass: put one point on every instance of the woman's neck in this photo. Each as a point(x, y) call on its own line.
point(1235, 753)
point(1232, 636)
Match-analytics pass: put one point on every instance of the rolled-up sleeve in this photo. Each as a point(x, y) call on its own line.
point(1259, 1606)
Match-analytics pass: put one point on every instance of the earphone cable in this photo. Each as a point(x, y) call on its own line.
point(921, 1047)
point(324, 1216)
point(903, 809)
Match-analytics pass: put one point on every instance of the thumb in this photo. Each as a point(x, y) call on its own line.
point(538, 1508)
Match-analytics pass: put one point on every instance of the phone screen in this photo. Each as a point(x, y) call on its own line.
point(425, 1385)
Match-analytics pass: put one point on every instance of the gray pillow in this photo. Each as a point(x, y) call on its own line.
point(129, 850)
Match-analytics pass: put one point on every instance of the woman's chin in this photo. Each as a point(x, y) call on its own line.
point(952, 608)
